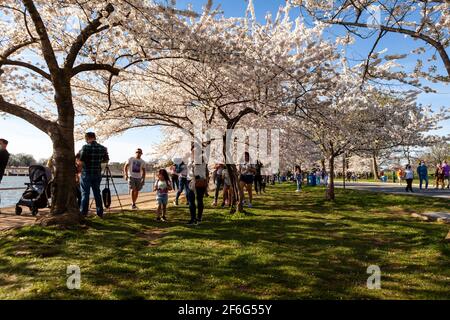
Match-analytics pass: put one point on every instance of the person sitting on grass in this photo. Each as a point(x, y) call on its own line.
point(162, 188)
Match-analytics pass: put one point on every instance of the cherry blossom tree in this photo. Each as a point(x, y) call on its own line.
point(241, 82)
point(50, 48)
point(425, 21)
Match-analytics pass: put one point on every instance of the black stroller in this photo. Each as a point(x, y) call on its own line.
point(37, 194)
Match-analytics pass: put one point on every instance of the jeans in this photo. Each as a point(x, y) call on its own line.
point(258, 183)
point(299, 183)
point(425, 178)
point(409, 185)
point(219, 183)
point(86, 183)
point(199, 193)
point(183, 186)
point(175, 182)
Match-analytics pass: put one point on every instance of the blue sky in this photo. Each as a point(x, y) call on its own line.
point(25, 138)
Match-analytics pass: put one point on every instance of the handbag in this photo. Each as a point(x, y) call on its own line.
point(197, 183)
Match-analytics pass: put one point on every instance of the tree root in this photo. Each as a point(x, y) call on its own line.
point(67, 219)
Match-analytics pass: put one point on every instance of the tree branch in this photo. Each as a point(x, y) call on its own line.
point(91, 29)
point(27, 115)
point(47, 49)
point(26, 65)
point(95, 67)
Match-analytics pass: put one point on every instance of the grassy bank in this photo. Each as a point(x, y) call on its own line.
point(290, 246)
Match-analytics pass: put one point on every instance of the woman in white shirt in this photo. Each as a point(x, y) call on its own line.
point(409, 176)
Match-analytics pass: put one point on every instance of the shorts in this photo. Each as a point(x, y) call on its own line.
point(162, 199)
point(247, 179)
point(135, 183)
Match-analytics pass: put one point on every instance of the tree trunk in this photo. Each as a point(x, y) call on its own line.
point(64, 209)
point(344, 176)
point(234, 179)
point(376, 173)
point(330, 188)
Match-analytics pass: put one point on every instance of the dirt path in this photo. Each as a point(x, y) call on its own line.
point(146, 201)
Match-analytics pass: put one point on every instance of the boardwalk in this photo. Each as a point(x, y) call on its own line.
point(146, 201)
point(395, 189)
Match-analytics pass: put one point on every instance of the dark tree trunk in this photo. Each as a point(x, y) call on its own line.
point(376, 173)
point(234, 178)
point(344, 175)
point(64, 209)
point(330, 188)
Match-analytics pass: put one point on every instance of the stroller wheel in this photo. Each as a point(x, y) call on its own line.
point(34, 211)
point(18, 210)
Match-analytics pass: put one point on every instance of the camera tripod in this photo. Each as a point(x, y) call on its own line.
point(108, 175)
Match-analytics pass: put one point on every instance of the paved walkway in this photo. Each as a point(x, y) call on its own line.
point(146, 201)
point(395, 189)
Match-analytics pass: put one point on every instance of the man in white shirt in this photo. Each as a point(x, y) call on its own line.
point(134, 172)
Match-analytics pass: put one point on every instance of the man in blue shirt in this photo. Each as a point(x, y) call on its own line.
point(92, 155)
point(422, 172)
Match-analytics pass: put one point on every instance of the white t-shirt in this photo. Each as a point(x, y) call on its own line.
point(409, 174)
point(197, 170)
point(135, 167)
point(246, 168)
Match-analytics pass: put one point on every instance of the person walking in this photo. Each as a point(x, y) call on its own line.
point(92, 155)
point(134, 173)
point(197, 182)
point(446, 172)
point(422, 172)
point(162, 188)
point(182, 170)
point(258, 177)
point(409, 176)
point(174, 178)
point(228, 197)
point(400, 175)
point(247, 173)
point(4, 158)
point(218, 181)
point(438, 176)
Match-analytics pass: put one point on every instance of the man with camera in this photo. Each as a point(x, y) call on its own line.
point(92, 155)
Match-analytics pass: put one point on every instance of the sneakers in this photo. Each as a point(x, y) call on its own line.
point(175, 203)
point(298, 190)
point(164, 219)
point(192, 223)
point(158, 219)
point(133, 207)
point(214, 204)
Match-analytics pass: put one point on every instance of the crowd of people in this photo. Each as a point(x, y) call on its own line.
point(193, 180)
point(188, 178)
point(440, 175)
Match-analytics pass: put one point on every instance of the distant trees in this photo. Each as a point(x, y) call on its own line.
point(21, 160)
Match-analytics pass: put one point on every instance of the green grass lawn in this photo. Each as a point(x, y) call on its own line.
point(290, 246)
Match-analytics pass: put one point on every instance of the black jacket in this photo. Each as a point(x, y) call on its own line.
point(4, 157)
